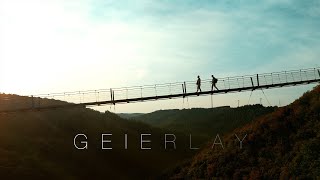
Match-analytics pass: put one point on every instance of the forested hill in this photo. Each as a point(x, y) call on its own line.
point(204, 122)
point(281, 145)
point(40, 144)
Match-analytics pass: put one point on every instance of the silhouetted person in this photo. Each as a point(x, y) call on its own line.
point(214, 82)
point(199, 84)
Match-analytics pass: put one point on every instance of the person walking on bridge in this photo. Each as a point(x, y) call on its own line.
point(199, 84)
point(214, 83)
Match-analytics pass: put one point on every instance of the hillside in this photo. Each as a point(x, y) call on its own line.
point(204, 122)
point(39, 145)
point(281, 145)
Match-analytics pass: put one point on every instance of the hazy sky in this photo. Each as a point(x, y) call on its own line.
point(71, 45)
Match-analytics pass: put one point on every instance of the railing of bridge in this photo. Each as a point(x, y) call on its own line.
point(157, 90)
point(235, 82)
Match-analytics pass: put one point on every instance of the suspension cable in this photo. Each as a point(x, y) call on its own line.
point(265, 97)
point(250, 97)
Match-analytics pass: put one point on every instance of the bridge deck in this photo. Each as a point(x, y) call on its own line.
point(163, 91)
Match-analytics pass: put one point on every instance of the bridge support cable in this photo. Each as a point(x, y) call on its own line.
point(249, 97)
point(266, 97)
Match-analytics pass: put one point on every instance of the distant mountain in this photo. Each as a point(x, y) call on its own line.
point(204, 122)
point(284, 144)
point(129, 115)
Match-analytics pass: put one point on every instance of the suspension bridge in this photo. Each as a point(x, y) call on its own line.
point(113, 96)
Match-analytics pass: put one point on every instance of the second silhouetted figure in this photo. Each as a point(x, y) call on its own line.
point(214, 82)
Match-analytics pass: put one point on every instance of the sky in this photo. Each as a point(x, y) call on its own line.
point(58, 45)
